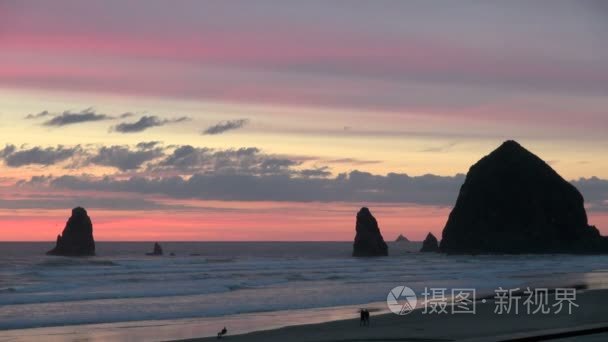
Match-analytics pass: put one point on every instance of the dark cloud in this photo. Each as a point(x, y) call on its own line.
point(70, 118)
point(37, 155)
point(146, 122)
point(146, 145)
point(225, 126)
point(124, 159)
point(7, 150)
point(316, 172)
point(42, 114)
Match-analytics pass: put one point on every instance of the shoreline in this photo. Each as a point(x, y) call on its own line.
point(590, 318)
point(185, 328)
point(193, 328)
point(285, 324)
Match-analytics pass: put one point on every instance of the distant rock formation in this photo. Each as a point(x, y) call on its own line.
point(368, 241)
point(401, 238)
point(158, 250)
point(513, 202)
point(430, 244)
point(77, 236)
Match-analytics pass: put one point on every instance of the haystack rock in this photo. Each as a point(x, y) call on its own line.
point(77, 237)
point(513, 202)
point(368, 241)
point(401, 238)
point(430, 244)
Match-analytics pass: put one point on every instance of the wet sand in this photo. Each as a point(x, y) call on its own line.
point(588, 322)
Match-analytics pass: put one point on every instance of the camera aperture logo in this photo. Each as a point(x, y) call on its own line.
point(401, 300)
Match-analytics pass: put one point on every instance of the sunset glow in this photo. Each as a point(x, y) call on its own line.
point(204, 121)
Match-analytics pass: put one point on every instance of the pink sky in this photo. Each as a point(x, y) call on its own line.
point(318, 108)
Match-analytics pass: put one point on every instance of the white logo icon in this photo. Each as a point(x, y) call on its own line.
point(401, 300)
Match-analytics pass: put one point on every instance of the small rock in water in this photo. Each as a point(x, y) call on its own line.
point(158, 250)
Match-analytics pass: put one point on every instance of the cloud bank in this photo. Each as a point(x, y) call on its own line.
point(37, 155)
point(242, 174)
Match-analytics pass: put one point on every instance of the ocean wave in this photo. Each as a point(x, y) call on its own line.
point(67, 262)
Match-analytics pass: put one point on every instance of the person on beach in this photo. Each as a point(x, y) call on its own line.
point(362, 317)
point(222, 333)
point(366, 317)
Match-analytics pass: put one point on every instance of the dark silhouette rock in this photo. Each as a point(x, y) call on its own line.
point(368, 241)
point(430, 244)
point(158, 250)
point(513, 202)
point(401, 238)
point(77, 236)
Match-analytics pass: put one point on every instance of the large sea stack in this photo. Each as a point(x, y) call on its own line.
point(513, 202)
point(77, 237)
point(368, 241)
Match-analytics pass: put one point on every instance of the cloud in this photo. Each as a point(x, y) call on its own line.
point(316, 172)
point(352, 161)
point(39, 115)
point(70, 118)
point(126, 115)
point(225, 126)
point(441, 148)
point(247, 160)
point(122, 158)
point(58, 200)
point(181, 159)
point(356, 186)
point(147, 145)
point(37, 155)
point(595, 191)
point(145, 122)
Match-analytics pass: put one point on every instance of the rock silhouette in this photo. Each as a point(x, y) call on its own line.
point(430, 244)
point(77, 236)
point(158, 250)
point(368, 240)
point(513, 202)
point(401, 238)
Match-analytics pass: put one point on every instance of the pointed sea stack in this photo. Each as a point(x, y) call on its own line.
point(77, 237)
point(401, 238)
point(430, 244)
point(368, 241)
point(512, 202)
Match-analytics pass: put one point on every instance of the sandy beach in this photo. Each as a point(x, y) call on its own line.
point(587, 322)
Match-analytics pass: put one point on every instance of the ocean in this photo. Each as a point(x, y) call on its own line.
point(251, 284)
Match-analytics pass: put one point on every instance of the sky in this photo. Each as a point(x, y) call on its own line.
point(278, 120)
